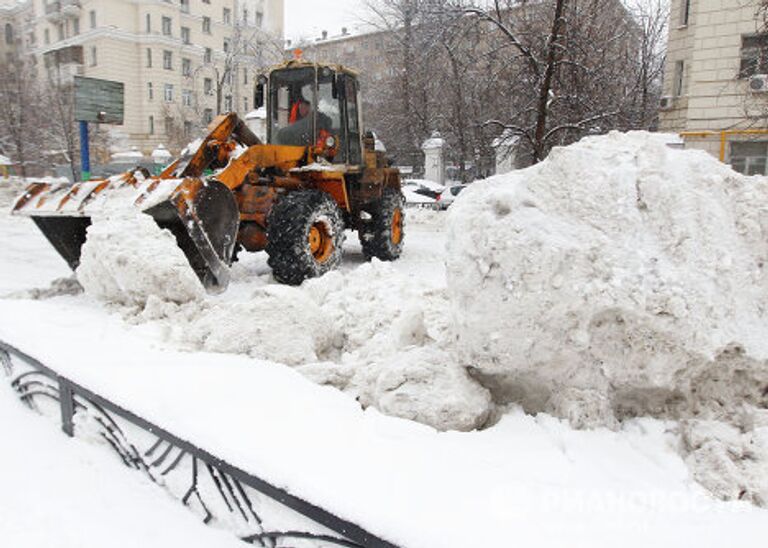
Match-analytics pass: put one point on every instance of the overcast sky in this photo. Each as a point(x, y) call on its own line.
point(309, 18)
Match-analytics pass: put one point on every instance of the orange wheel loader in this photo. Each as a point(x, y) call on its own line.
point(317, 175)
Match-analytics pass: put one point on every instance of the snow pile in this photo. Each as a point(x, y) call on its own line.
point(371, 332)
point(10, 189)
point(127, 259)
point(390, 335)
point(625, 278)
point(275, 323)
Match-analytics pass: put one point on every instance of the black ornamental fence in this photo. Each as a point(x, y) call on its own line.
point(223, 495)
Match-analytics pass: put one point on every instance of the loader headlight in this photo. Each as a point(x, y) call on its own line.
point(330, 142)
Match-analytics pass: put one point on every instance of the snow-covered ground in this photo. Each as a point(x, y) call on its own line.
point(232, 374)
point(61, 493)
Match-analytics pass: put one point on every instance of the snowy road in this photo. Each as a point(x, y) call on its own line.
point(528, 481)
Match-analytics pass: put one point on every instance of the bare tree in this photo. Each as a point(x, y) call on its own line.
point(249, 48)
point(20, 114)
point(544, 73)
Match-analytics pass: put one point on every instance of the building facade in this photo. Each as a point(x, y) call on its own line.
point(181, 61)
point(715, 84)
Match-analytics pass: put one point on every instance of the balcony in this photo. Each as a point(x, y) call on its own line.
point(59, 9)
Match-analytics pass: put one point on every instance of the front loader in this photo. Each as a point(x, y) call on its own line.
point(293, 196)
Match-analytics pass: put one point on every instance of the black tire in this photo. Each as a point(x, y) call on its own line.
point(382, 234)
point(305, 233)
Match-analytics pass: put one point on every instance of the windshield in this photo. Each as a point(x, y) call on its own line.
point(292, 94)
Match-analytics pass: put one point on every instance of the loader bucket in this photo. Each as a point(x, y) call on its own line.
point(203, 217)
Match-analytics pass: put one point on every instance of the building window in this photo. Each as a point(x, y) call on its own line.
point(245, 77)
point(259, 19)
point(167, 26)
point(227, 16)
point(245, 104)
point(94, 59)
point(92, 16)
point(149, 58)
point(151, 125)
point(228, 104)
point(677, 83)
point(245, 15)
point(749, 157)
point(148, 23)
point(186, 67)
point(186, 97)
point(184, 6)
point(207, 25)
point(168, 93)
point(76, 26)
point(207, 116)
point(208, 57)
point(754, 55)
point(150, 91)
point(226, 45)
point(208, 86)
point(169, 126)
point(167, 60)
point(185, 35)
point(187, 128)
point(61, 31)
point(47, 36)
point(8, 34)
point(685, 12)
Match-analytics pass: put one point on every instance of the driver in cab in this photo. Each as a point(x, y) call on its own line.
point(299, 132)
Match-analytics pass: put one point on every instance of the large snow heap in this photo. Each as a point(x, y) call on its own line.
point(128, 259)
point(621, 278)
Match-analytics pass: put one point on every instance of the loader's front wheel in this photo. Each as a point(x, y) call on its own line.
point(383, 232)
point(305, 233)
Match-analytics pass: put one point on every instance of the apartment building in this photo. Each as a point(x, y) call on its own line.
point(181, 61)
point(367, 52)
point(715, 83)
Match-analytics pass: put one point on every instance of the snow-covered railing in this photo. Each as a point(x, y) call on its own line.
point(258, 512)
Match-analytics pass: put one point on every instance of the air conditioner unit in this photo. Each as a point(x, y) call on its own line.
point(758, 83)
point(667, 102)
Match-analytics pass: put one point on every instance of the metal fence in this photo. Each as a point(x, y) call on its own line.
point(223, 495)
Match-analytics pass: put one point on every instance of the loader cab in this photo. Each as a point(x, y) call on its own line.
point(312, 105)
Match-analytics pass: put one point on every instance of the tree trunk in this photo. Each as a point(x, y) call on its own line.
point(542, 109)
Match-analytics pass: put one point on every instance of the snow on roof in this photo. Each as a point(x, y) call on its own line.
point(128, 156)
point(161, 153)
point(436, 141)
point(507, 138)
point(431, 185)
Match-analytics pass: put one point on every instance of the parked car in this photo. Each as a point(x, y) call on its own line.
point(420, 193)
point(447, 197)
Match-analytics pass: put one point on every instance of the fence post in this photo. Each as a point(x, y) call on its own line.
point(67, 408)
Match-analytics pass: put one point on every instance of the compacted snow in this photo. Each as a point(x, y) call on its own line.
point(603, 287)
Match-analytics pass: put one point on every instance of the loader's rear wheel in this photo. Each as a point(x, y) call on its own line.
point(305, 234)
point(382, 235)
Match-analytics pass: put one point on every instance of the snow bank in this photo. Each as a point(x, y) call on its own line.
point(10, 189)
point(370, 332)
point(625, 279)
point(391, 334)
point(127, 259)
